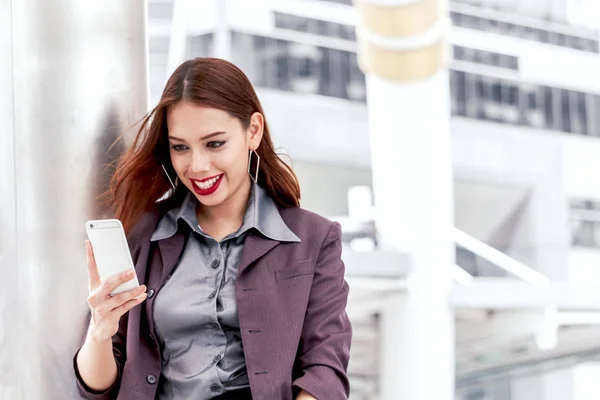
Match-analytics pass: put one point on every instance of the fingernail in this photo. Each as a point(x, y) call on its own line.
point(130, 273)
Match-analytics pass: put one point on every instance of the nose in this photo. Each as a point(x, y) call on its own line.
point(200, 162)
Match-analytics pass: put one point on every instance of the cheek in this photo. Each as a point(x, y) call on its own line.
point(233, 164)
point(179, 164)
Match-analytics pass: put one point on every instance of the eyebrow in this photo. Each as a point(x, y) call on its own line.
point(210, 135)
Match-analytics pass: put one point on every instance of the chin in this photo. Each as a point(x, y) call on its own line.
point(210, 201)
point(215, 198)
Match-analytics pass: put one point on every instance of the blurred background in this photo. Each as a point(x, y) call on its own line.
point(458, 144)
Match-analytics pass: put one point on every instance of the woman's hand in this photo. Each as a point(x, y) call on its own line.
point(107, 310)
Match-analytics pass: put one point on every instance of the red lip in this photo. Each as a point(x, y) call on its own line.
point(211, 190)
point(205, 179)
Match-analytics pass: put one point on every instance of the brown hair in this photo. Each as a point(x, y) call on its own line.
point(139, 180)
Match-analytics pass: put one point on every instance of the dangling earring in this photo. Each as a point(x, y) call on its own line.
point(173, 185)
point(255, 176)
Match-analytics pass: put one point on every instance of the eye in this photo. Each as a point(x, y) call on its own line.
point(179, 147)
point(214, 145)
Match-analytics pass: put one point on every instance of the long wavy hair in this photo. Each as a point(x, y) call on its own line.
point(139, 181)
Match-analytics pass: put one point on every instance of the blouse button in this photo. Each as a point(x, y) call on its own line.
point(151, 379)
point(215, 388)
point(215, 264)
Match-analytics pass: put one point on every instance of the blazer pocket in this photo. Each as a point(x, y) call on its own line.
point(302, 268)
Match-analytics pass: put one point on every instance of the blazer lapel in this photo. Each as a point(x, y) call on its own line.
point(170, 251)
point(255, 247)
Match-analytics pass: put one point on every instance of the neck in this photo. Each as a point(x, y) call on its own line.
point(230, 213)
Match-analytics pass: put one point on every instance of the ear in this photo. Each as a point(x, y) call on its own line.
point(255, 130)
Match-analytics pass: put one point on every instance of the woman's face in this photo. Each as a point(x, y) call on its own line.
point(209, 151)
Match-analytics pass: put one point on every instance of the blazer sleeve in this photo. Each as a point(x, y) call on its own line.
point(119, 352)
point(324, 349)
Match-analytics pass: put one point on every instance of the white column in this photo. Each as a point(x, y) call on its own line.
point(77, 80)
point(222, 42)
point(409, 122)
point(412, 178)
point(179, 35)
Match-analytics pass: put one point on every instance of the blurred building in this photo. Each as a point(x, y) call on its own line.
point(525, 90)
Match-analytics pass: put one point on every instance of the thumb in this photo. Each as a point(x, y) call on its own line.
point(93, 275)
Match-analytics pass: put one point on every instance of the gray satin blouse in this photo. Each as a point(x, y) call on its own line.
point(195, 311)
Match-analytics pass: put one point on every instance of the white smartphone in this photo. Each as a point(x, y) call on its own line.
point(111, 251)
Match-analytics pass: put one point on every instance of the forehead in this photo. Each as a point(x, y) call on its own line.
point(187, 118)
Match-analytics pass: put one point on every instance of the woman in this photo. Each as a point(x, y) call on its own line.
point(243, 292)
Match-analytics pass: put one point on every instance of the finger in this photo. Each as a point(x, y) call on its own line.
point(93, 274)
point(123, 308)
point(114, 281)
point(122, 298)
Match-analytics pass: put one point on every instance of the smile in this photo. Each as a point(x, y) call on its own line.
point(204, 185)
point(207, 186)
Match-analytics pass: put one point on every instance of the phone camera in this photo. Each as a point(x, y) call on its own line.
point(91, 225)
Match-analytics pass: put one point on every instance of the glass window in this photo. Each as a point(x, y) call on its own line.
point(571, 41)
point(593, 117)
point(347, 32)
point(265, 67)
point(492, 107)
point(480, 57)
point(513, 63)
point(315, 26)
point(282, 66)
point(565, 110)
point(245, 56)
point(548, 107)
point(461, 94)
point(510, 103)
point(504, 28)
point(456, 18)
point(495, 59)
point(324, 72)
point(543, 36)
point(480, 91)
point(459, 52)
point(325, 28)
point(337, 76)
point(473, 100)
point(512, 29)
point(529, 33)
point(471, 22)
point(488, 25)
point(528, 105)
point(579, 43)
point(591, 45)
point(469, 54)
point(578, 112)
point(496, 92)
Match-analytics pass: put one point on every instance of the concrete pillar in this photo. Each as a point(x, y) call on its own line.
point(78, 78)
point(222, 43)
point(402, 51)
